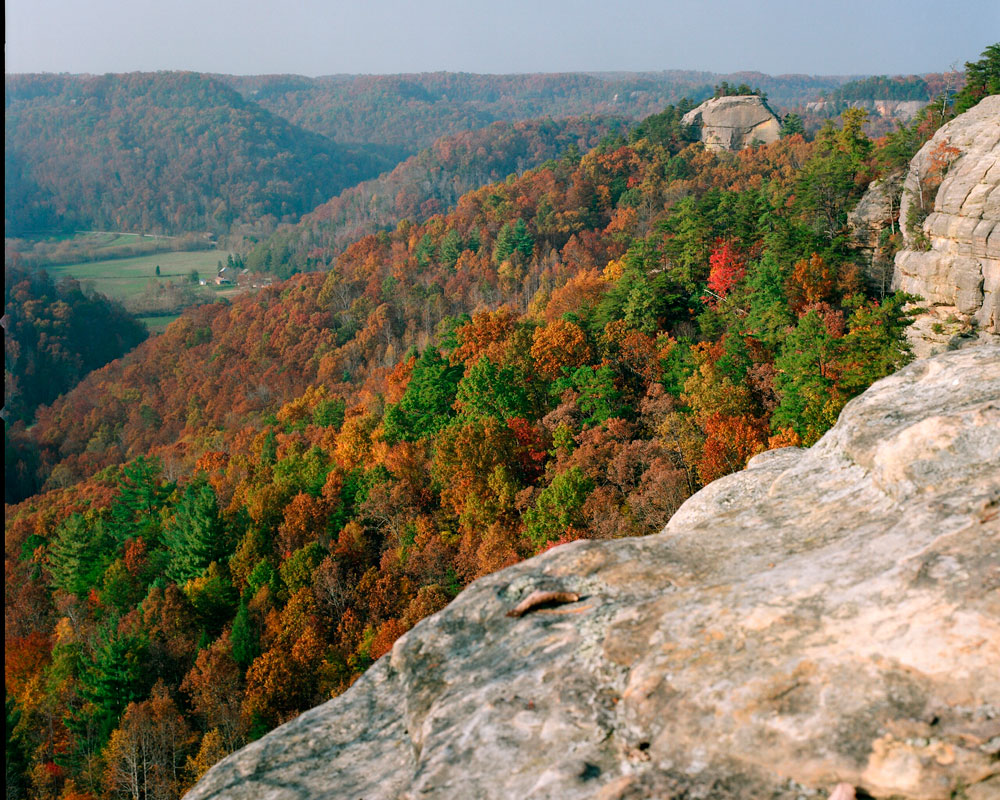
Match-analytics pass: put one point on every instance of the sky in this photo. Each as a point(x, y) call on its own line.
point(311, 37)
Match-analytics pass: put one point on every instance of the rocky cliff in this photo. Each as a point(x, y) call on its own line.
point(952, 257)
point(876, 211)
point(827, 615)
point(732, 123)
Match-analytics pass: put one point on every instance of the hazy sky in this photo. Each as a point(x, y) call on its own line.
point(310, 37)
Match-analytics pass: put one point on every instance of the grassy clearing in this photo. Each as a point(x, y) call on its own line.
point(76, 248)
point(125, 278)
point(158, 324)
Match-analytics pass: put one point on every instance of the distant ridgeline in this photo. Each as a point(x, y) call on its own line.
point(175, 152)
point(159, 153)
point(881, 87)
point(407, 112)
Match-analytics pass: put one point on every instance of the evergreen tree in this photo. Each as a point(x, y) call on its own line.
point(213, 597)
point(791, 125)
point(491, 391)
point(513, 240)
point(80, 553)
point(875, 344)
point(982, 78)
point(503, 245)
point(599, 396)
point(809, 403)
point(426, 405)
point(522, 239)
point(140, 495)
point(269, 449)
point(767, 315)
point(450, 249)
point(16, 762)
point(118, 674)
point(195, 537)
point(827, 185)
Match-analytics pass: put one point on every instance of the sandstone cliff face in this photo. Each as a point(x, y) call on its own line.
point(732, 123)
point(877, 210)
point(953, 261)
point(826, 615)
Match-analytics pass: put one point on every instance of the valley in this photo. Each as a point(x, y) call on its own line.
point(365, 341)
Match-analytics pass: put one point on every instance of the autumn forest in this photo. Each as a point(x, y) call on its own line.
point(539, 316)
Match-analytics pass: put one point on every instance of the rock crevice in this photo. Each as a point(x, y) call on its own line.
point(827, 615)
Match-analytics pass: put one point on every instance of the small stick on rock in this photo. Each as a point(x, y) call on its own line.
point(537, 599)
point(842, 791)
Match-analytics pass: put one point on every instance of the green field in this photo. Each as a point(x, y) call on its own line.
point(83, 246)
point(123, 278)
point(158, 324)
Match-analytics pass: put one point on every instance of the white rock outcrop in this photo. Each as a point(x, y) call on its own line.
point(826, 618)
point(953, 261)
point(732, 123)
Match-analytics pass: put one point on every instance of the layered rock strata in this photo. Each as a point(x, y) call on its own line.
point(953, 259)
point(732, 123)
point(826, 616)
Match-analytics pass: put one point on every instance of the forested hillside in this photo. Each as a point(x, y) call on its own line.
point(174, 152)
point(54, 334)
point(423, 185)
point(159, 153)
point(405, 113)
point(245, 512)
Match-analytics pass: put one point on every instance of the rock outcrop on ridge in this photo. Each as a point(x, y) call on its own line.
point(953, 259)
point(735, 122)
point(824, 616)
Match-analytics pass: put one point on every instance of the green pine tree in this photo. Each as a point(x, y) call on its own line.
point(809, 402)
point(16, 761)
point(426, 405)
point(503, 245)
point(79, 553)
point(450, 249)
point(196, 536)
point(118, 674)
point(141, 493)
point(491, 391)
point(982, 78)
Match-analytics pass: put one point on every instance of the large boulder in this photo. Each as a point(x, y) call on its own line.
point(732, 123)
point(952, 257)
point(827, 615)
